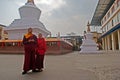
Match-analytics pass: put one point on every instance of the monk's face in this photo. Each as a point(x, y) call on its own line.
point(40, 35)
point(30, 30)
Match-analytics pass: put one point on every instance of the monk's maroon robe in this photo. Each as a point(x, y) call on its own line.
point(29, 47)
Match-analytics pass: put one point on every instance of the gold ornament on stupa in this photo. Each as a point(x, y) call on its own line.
point(30, 1)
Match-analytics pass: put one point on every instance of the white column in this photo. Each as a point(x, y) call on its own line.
point(113, 42)
point(108, 41)
point(103, 43)
point(118, 32)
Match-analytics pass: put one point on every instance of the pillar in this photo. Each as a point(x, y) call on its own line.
point(118, 32)
point(103, 44)
point(108, 41)
point(113, 41)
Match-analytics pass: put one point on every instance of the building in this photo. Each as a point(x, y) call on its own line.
point(96, 36)
point(107, 15)
point(29, 17)
point(3, 33)
point(76, 40)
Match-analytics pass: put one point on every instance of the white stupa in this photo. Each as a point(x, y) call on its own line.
point(88, 45)
point(29, 17)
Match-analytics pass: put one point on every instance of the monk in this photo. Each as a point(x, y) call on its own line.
point(30, 44)
point(41, 49)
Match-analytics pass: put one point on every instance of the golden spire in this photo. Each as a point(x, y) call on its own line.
point(88, 27)
point(30, 1)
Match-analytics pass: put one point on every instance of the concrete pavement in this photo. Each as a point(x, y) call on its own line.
point(73, 66)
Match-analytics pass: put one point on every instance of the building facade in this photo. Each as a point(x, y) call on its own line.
point(3, 33)
point(111, 27)
point(76, 41)
point(96, 36)
point(107, 16)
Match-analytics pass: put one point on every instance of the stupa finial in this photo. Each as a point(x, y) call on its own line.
point(88, 27)
point(30, 1)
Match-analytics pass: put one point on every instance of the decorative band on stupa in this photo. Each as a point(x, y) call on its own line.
point(30, 1)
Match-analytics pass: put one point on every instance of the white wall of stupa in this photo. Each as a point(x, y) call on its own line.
point(88, 44)
point(29, 17)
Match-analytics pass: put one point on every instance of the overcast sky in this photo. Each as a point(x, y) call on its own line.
point(64, 16)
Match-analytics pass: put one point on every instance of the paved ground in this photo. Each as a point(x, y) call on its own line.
point(73, 66)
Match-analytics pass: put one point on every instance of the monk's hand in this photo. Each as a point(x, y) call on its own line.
point(31, 40)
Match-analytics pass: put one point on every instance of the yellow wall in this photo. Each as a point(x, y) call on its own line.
point(96, 36)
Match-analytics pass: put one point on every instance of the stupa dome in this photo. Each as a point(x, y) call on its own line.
point(29, 11)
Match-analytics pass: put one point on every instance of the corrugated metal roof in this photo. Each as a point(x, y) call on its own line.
point(101, 9)
point(2, 25)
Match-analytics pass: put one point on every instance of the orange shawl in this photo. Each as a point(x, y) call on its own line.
point(28, 35)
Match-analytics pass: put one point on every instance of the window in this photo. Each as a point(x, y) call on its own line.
point(107, 27)
point(105, 19)
point(119, 16)
point(118, 3)
point(103, 30)
point(102, 22)
point(113, 9)
point(108, 15)
point(51, 43)
point(115, 20)
point(112, 23)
